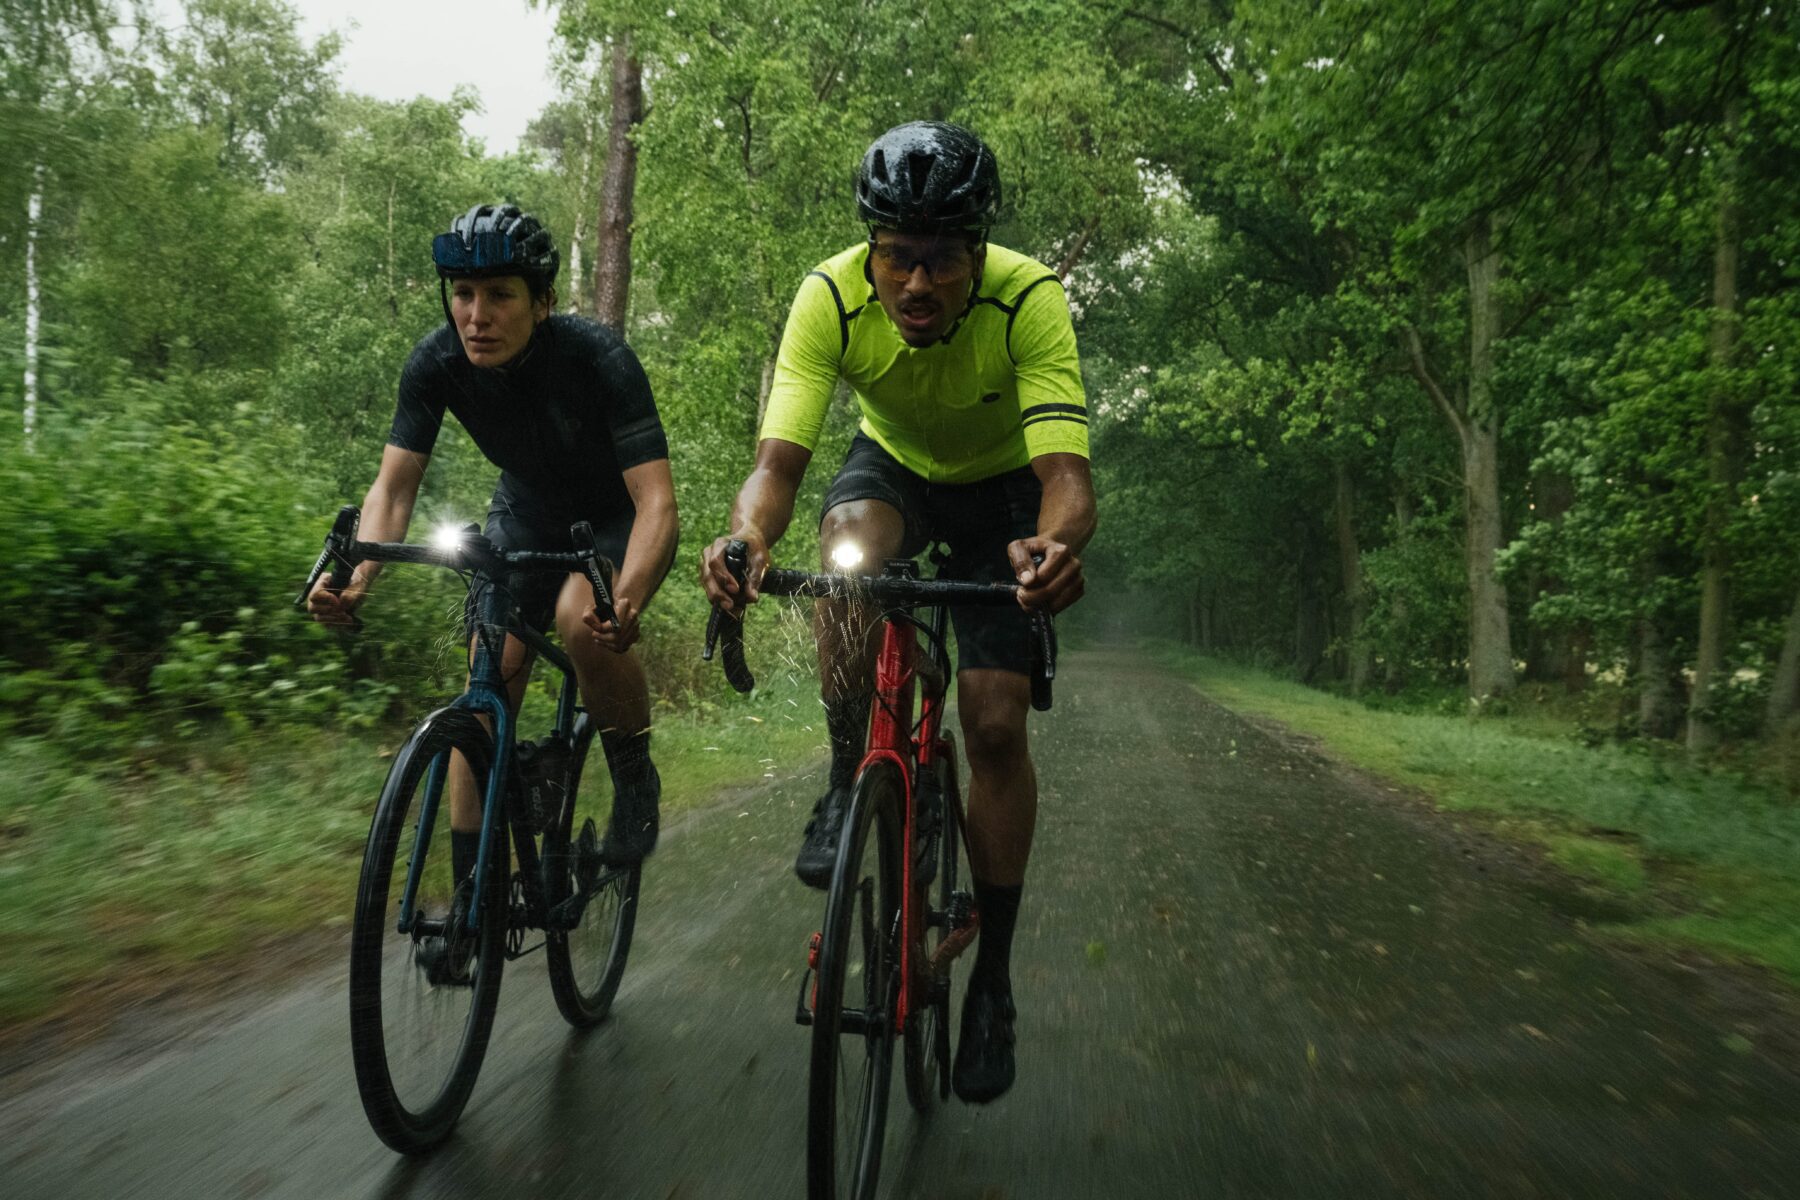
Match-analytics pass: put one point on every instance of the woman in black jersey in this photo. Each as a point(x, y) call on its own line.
point(562, 407)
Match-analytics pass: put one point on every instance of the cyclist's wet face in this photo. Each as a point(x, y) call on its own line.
point(494, 317)
point(923, 281)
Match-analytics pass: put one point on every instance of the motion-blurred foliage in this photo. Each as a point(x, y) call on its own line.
point(1412, 360)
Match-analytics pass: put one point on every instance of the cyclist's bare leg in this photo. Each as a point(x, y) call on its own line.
point(618, 701)
point(1002, 816)
point(846, 651)
point(465, 798)
point(613, 686)
point(1002, 809)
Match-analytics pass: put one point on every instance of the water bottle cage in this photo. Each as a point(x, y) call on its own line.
point(543, 769)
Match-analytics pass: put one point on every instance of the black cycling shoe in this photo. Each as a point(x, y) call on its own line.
point(446, 959)
point(818, 852)
point(631, 833)
point(984, 1052)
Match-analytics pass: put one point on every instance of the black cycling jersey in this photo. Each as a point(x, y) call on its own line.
point(563, 421)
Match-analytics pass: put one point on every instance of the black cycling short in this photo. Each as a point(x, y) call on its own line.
point(536, 593)
point(975, 520)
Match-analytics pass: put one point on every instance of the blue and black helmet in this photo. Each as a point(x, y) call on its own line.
point(497, 239)
point(929, 177)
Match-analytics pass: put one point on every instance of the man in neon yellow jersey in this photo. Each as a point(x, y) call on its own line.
point(974, 433)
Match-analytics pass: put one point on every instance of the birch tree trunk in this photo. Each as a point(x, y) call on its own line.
point(612, 241)
point(34, 211)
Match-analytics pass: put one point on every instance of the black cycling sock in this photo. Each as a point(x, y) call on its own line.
point(847, 720)
point(627, 757)
point(999, 909)
point(465, 848)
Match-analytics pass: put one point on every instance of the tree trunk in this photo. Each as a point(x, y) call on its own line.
point(1309, 615)
point(1784, 696)
point(1207, 637)
point(1660, 698)
point(612, 249)
point(1490, 638)
point(1362, 658)
point(393, 293)
point(1399, 613)
point(1727, 448)
point(1475, 418)
point(34, 212)
point(579, 234)
point(763, 389)
point(1659, 695)
point(1554, 653)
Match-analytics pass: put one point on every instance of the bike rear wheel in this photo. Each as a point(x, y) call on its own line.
point(417, 1030)
point(857, 988)
point(587, 958)
point(926, 1045)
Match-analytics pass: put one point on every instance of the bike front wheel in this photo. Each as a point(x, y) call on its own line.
point(857, 990)
point(926, 1053)
point(593, 908)
point(423, 986)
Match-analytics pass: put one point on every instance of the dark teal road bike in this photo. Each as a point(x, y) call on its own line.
point(417, 1033)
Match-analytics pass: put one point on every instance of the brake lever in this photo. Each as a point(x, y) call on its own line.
point(722, 624)
point(597, 567)
point(335, 554)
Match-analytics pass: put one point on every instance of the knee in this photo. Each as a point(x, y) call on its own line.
point(993, 735)
point(876, 528)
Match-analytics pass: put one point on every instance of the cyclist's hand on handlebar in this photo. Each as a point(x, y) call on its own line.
point(617, 636)
point(1052, 582)
point(328, 606)
point(723, 590)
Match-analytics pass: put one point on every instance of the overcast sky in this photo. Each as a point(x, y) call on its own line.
point(398, 49)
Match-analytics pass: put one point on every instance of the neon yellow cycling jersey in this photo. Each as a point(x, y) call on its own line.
point(1004, 389)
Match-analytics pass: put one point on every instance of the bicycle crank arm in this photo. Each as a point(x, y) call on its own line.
point(952, 946)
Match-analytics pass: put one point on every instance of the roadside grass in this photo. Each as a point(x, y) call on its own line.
point(116, 873)
point(1683, 855)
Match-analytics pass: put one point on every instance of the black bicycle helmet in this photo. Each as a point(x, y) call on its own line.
point(497, 239)
point(929, 177)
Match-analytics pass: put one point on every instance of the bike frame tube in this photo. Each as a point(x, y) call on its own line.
point(487, 693)
point(891, 740)
point(434, 794)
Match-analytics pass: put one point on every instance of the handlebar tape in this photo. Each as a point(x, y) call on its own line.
point(727, 629)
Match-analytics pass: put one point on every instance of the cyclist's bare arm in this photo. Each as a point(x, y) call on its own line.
point(648, 553)
point(1066, 520)
point(386, 512)
point(765, 505)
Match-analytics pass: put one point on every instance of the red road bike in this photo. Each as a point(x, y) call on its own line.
point(896, 915)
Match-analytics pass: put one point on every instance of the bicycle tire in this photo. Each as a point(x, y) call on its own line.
point(857, 946)
point(586, 962)
point(926, 1039)
point(413, 1086)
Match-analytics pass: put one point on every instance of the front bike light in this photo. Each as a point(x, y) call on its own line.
point(846, 556)
point(447, 537)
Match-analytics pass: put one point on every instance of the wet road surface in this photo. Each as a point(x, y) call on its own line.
point(1240, 970)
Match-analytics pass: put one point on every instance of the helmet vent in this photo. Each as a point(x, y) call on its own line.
point(881, 171)
point(919, 172)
